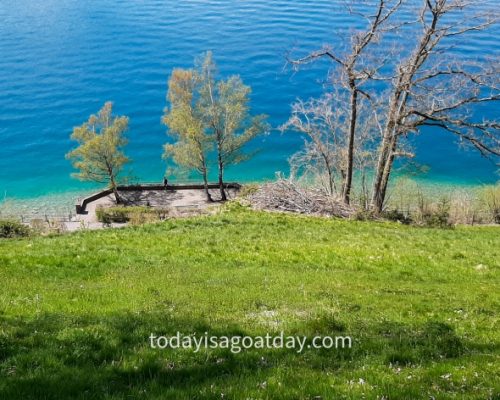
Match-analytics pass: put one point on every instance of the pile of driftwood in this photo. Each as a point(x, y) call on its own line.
point(285, 195)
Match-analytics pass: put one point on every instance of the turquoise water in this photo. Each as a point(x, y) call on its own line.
point(60, 60)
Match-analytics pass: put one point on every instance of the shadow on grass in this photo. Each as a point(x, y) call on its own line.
point(64, 357)
point(57, 356)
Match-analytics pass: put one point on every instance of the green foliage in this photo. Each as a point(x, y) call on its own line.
point(421, 305)
point(224, 109)
point(397, 216)
point(247, 190)
point(434, 215)
point(184, 121)
point(99, 156)
point(208, 114)
point(134, 215)
point(13, 229)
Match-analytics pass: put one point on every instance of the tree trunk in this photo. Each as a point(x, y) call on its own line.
point(364, 189)
point(401, 94)
point(346, 191)
point(221, 180)
point(205, 185)
point(386, 151)
point(114, 188)
point(117, 196)
point(330, 182)
point(377, 200)
point(387, 173)
point(383, 173)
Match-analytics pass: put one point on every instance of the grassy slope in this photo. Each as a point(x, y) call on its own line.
point(421, 304)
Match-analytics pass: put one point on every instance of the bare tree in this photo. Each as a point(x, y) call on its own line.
point(323, 154)
point(430, 88)
point(354, 73)
point(324, 157)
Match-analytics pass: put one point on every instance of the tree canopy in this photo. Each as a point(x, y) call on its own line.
point(208, 115)
point(99, 156)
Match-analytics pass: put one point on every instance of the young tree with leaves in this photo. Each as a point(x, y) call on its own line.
point(207, 114)
point(99, 156)
point(184, 120)
point(224, 106)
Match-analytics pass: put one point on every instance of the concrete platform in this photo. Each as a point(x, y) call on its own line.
point(176, 198)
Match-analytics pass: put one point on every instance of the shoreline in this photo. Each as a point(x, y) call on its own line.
point(47, 205)
point(62, 204)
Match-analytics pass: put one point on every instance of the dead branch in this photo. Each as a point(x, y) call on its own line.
point(287, 196)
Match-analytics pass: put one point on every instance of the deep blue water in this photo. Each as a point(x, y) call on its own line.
point(60, 60)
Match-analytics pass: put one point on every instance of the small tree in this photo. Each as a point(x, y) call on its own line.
point(325, 122)
point(185, 124)
point(99, 156)
point(225, 112)
point(207, 114)
point(323, 156)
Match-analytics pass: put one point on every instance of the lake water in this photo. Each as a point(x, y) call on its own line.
point(60, 60)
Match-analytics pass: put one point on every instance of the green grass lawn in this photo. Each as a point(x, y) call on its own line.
point(421, 304)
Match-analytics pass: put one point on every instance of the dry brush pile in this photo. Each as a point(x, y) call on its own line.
point(287, 196)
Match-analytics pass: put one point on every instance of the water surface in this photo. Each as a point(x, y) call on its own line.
point(62, 59)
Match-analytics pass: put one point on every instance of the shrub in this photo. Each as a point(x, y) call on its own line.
point(140, 218)
point(13, 229)
point(397, 216)
point(47, 226)
point(465, 208)
point(235, 206)
point(362, 215)
point(404, 194)
point(248, 190)
point(38, 225)
point(113, 214)
point(489, 197)
point(134, 215)
point(435, 215)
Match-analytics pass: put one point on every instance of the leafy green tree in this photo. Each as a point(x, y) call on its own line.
point(192, 144)
point(99, 156)
point(207, 114)
point(224, 108)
